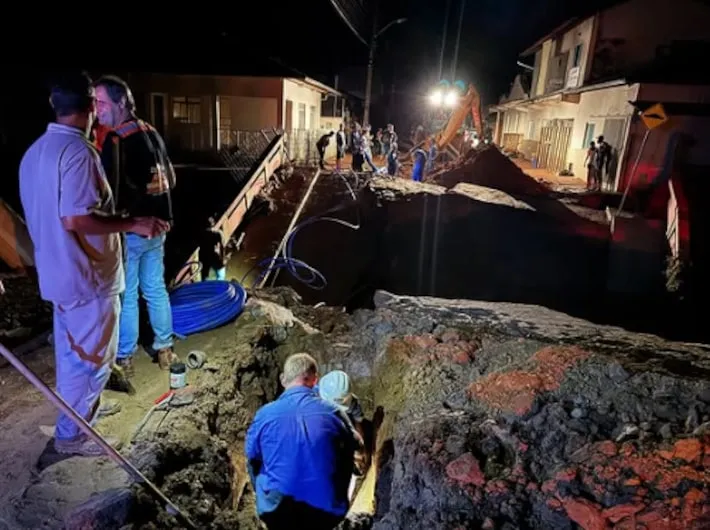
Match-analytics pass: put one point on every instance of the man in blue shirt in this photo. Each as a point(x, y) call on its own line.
point(300, 452)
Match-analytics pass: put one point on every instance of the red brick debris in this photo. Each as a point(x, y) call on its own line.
point(449, 347)
point(667, 488)
point(515, 391)
point(664, 488)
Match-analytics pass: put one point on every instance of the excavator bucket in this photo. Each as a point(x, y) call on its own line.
point(16, 248)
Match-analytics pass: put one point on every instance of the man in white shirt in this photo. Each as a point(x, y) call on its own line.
point(70, 216)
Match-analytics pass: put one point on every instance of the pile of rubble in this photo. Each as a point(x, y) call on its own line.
point(487, 166)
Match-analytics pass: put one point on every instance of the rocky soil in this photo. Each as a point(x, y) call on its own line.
point(22, 313)
point(489, 415)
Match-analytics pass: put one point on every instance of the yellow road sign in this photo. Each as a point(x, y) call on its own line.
point(654, 116)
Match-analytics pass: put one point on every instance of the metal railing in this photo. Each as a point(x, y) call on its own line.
point(301, 146)
point(242, 150)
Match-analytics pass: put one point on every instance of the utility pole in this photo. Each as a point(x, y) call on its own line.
point(372, 46)
point(443, 40)
point(458, 40)
point(370, 65)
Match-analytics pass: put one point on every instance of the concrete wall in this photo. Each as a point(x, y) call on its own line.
point(300, 93)
point(594, 107)
point(252, 113)
point(629, 34)
point(579, 35)
point(255, 103)
point(695, 128)
point(545, 54)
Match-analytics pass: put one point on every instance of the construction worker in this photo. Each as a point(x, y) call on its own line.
point(141, 175)
point(340, 144)
point(367, 148)
point(334, 387)
point(420, 159)
point(213, 255)
point(433, 153)
point(357, 146)
point(300, 452)
point(392, 160)
point(76, 235)
point(322, 144)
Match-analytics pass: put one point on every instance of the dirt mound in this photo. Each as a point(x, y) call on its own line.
point(487, 166)
point(498, 425)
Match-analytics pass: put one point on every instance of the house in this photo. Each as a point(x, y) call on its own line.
point(591, 76)
point(211, 112)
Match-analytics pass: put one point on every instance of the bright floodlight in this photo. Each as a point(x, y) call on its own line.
point(437, 98)
point(451, 98)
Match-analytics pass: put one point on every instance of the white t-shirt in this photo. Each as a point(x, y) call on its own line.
point(61, 176)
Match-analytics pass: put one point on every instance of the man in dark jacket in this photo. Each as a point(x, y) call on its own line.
point(340, 144)
point(141, 176)
point(322, 145)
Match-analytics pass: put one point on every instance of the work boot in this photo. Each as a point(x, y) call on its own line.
point(82, 445)
point(107, 407)
point(126, 364)
point(166, 357)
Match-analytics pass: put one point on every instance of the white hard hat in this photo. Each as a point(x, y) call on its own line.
point(335, 388)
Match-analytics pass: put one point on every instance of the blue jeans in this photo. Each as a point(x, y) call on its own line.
point(145, 270)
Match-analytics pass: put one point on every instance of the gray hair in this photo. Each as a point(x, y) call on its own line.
point(297, 366)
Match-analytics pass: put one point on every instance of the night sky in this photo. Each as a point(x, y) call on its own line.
point(308, 36)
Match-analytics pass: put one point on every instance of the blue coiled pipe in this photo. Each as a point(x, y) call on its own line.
point(205, 305)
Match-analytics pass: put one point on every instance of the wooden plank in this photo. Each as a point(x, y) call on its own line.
point(233, 216)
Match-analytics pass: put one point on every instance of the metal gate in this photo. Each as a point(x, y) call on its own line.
point(554, 143)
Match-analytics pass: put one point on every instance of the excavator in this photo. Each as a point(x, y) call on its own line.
point(470, 102)
point(442, 139)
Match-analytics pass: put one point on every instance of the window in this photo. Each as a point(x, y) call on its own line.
point(314, 119)
point(301, 115)
point(588, 135)
point(187, 110)
point(531, 130)
point(577, 55)
point(224, 109)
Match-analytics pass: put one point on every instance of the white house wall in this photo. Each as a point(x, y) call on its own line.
point(302, 93)
point(595, 107)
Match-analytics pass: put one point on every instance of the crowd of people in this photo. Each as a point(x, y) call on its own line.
point(365, 147)
point(598, 162)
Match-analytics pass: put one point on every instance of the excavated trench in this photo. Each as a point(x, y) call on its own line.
point(488, 415)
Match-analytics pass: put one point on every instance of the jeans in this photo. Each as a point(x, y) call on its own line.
point(85, 343)
point(368, 159)
point(145, 270)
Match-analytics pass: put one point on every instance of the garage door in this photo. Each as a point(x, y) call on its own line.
point(554, 143)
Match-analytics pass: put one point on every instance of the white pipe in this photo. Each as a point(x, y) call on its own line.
point(84, 426)
point(294, 219)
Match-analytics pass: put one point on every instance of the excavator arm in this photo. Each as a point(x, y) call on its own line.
point(471, 102)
